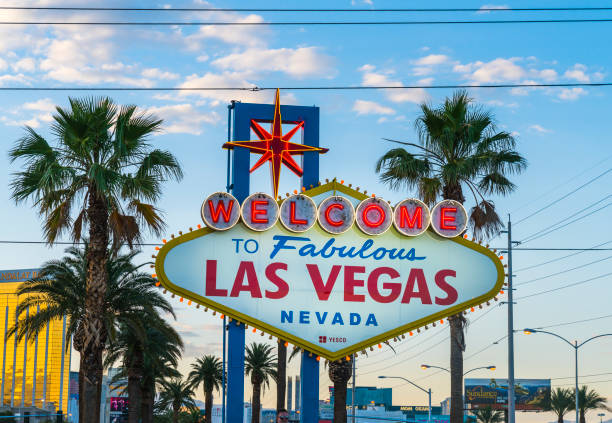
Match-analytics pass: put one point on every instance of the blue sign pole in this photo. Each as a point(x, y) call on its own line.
point(309, 380)
point(243, 113)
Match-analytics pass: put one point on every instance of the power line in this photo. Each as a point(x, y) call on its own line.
point(152, 244)
point(564, 196)
point(567, 224)
point(563, 271)
point(561, 222)
point(564, 286)
point(559, 258)
point(562, 184)
point(572, 377)
point(209, 9)
point(575, 322)
point(590, 381)
point(315, 88)
point(306, 23)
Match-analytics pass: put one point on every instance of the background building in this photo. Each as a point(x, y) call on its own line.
point(35, 370)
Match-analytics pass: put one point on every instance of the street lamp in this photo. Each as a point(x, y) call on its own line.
point(575, 346)
point(427, 391)
point(601, 416)
point(427, 366)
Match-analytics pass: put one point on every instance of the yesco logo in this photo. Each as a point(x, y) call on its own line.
point(335, 214)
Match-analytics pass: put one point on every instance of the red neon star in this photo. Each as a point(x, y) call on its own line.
point(275, 147)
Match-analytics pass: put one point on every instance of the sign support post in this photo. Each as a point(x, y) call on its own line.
point(309, 402)
point(511, 404)
point(243, 114)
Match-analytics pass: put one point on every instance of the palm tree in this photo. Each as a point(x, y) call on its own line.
point(340, 372)
point(281, 375)
point(488, 415)
point(175, 395)
point(146, 345)
point(560, 401)
point(260, 364)
point(589, 400)
point(459, 148)
point(100, 169)
point(207, 371)
point(60, 290)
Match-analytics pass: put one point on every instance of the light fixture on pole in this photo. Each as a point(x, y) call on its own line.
point(427, 391)
point(601, 416)
point(575, 346)
point(428, 366)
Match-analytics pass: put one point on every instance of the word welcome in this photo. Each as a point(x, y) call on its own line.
point(335, 214)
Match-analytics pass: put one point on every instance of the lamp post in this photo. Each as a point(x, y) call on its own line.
point(427, 366)
point(601, 416)
point(575, 346)
point(427, 391)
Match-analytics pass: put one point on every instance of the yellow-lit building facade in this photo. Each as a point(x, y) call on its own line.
point(34, 372)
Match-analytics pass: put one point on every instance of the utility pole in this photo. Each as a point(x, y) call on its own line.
point(510, 329)
point(353, 388)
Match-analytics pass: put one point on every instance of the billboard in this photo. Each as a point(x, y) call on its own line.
point(332, 288)
point(529, 393)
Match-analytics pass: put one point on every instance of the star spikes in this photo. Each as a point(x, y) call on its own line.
point(276, 147)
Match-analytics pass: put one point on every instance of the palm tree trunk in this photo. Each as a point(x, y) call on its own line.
point(457, 347)
point(256, 408)
point(208, 404)
point(281, 379)
point(560, 418)
point(340, 402)
point(134, 387)
point(582, 419)
point(146, 404)
point(94, 330)
point(175, 413)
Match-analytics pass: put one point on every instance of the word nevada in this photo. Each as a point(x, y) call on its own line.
point(336, 214)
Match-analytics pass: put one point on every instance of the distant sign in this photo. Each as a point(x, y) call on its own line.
point(529, 393)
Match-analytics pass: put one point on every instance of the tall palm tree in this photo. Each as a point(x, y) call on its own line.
point(175, 395)
point(340, 372)
point(146, 345)
point(459, 148)
point(560, 401)
point(103, 175)
point(589, 400)
point(488, 415)
point(260, 365)
point(208, 372)
point(281, 375)
point(60, 290)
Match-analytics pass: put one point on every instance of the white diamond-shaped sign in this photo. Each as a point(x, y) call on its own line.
point(332, 295)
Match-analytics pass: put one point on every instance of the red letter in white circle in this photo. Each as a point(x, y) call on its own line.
point(336, 214)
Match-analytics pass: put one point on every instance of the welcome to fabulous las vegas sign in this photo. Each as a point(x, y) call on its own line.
point(330, 269)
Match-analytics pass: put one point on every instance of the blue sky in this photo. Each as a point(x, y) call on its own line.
point(563, 133)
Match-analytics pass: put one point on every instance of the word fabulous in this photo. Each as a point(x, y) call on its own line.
point(336, 214)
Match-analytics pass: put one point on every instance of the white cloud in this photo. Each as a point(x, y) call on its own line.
point(42, 105)
point(240, 35)
point(202, 58)
point(571, 93)
point(27, 64)
point(183, 118)
point(546, 74)
point(372, 78)
point(578, 73)
point(492, 6)
point(425, 81)
point(539, 128)
point(432, 59)
point(298, 63)
point(497, 70)
point(155, 73)
point(365, 107)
